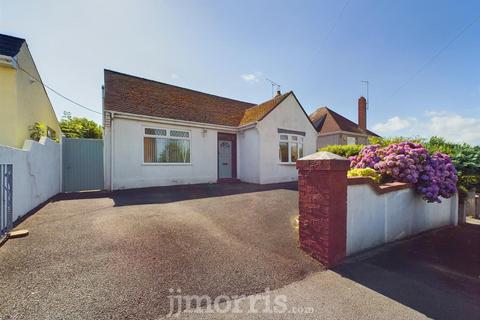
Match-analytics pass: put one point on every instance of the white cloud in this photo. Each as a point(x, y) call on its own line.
point(455, 128)
point(251, 77)
point(175, 76)
point(451, 126)
point(394, 124)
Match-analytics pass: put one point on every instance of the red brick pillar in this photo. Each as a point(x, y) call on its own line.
point(322, 188)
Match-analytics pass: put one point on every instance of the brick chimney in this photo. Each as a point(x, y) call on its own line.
point(362, 113)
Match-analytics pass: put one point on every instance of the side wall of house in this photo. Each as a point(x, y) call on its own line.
point(332, 139)
point(289, 116)
point(36, 173)
point(129, 170)
point(8, 105)
point(339, 138)
point(248, 155)
point(33, 104)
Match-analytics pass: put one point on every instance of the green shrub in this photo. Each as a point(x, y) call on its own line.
point(344, 150)
point(383, 142)
point(365, 172)
point(73, 127)
point(468, 183)
point(37, 130)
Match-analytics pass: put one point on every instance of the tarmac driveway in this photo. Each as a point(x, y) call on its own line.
point(117, 255)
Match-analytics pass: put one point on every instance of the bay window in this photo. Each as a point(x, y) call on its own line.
point(166, 146)
point(290, 148)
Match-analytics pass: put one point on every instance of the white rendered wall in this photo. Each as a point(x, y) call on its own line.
point(36, 173)
point(290, 116)
point(327, 140)
point(374, 219)
point(248, 155)
point(129, 171)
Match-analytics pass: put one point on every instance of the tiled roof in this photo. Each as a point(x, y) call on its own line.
point(130, 94)
point(259, 112)
point(10, 46)
point(326, 120)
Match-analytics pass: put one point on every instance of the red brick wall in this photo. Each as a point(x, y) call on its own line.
point(362, 113)
point(322, 186)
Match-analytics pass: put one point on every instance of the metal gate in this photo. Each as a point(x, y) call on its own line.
point(6, 198)
point(82, 165)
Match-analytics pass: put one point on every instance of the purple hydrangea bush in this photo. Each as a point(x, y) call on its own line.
point(433, 176)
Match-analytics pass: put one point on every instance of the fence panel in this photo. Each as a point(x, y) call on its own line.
point(82, 164)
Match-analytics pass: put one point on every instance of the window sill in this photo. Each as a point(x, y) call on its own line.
point(287, 163)
point(166, 164)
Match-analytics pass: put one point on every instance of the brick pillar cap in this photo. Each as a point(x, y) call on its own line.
point(323, 161)
point(323, 155)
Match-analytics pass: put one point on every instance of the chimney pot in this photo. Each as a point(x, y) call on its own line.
point(279, 93)
point(362, 113)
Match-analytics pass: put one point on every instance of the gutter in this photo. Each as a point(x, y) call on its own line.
point(343, 132)
point(131, 116)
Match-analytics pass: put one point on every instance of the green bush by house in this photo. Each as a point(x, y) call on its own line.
point(345, 150)
point(365, 172)
point(73, 127)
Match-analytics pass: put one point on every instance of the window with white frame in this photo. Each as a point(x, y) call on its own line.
point(166, 145)
point(290, 147)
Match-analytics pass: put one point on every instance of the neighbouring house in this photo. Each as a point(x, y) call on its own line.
point(23, 99)
point(334, 128)
point(156, 134)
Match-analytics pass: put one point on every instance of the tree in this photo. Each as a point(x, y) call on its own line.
point(73, 127)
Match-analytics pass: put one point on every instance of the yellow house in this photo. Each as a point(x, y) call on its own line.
point(23, 99)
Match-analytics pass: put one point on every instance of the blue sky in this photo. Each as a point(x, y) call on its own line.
point(319, 49)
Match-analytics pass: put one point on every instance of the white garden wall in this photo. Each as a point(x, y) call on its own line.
point(36, 173)
point(374, 219)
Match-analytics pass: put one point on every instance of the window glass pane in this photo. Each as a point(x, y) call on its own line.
point(178, 151)
point(294, 151)
point(294, 138)
point(161, 154)
point(283, 152)
point(283, 137)
point(300, 150)
point(161, 150)
point(351, 140)
point(156, 132)
point(149, 150)
point(179, 134)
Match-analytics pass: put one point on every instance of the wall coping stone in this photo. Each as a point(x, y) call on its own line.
point(322, 155)
point(322, 161)
point(379, 188)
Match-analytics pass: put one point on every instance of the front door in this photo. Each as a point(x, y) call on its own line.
point(224, 159)
point(226, 156)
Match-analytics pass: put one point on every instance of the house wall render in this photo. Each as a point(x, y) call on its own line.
point(24, 101)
